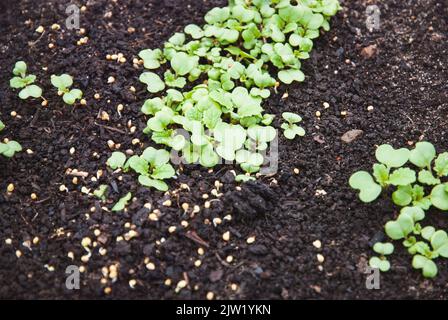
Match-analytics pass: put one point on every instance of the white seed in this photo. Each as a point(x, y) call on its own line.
point(29, 151)
point(33, 196)
point(250, 240)
point(370, 108)
point(132, 283)
point(110, 79)
point(320, 258)
point(343, 113)
point(201, 251)
point(210, 295)
point(318, 114)
point(184, 223)
point(167, 203)
point(18, 253)
point(296, 171)
point(172, 229)
point(10, 187)
point(150, 266)
point(197, 263)
point(317, 244)
point(71, 255)
point(8, 241)
point(62, 188)
point(226, 236)
point(229, 259)
point(326, 105)
point(72, 150)
point(40, 29)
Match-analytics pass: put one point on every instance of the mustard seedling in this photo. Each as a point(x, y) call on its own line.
point(63, 84)
point(24, 81)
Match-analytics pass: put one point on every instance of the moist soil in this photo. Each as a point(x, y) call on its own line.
point(404, 79)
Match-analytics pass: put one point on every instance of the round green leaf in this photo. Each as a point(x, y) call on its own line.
point(423, 154)
point(390, 157)
point(153, 81)
point(363, 181)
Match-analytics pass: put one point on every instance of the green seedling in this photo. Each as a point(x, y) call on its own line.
point(410, 186)
point(152, 167)
point(24, 82)
point(383, 249)
point(100, 193)
point(291, 129)
point(63, 84)
point(122, 203)
point(226, 69)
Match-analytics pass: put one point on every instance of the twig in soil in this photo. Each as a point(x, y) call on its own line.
point(192, 235)
point(110, 128)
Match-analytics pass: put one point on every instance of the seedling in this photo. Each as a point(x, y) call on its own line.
point(291, 129)
point(101, 191)
point(391, 173)
point(122, 203)
point(63, 84)
point(24, 82)
point(9, 148)
point(152, 167)
point(384, 249)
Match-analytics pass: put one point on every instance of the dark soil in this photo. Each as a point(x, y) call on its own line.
point(406, 81)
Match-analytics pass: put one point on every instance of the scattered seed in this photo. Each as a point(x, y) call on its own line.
point(180, 285)
point(107, 290)
point(55, 26)
point(132, 283)
point(102, 251)
point(110, 79)
point(229, 259)
point(201, 251)
point(10, 188)
point(97, 96)
point(40, 29)
point(370, 108)
point(250, 240)
point(18, 253)
point(8, 241)
point(83, 102)
point(172, 229)
point(217, 221)
point(317, 244)
point(320, 258)
point(318, 114)
point(168, 282)
point(234, 286)
point(86, 242)
point(343, 113)
point(210, 295)
point(184, 224)
point(326, 105)
point(71, 255)
point(150, 266)
point(167, 203)
point(33, 196)
point(296, 171)
point(197, 263)
point(13, 114)
point(207, 204)
point(226, 236)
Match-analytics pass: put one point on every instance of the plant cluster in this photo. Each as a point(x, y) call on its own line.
point(231, 63)
point(24, 81)
point(8, 149)
point(422, 188)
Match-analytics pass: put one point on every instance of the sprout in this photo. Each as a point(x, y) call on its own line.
point(291, 129)
point(63, 84)
point(24, 82)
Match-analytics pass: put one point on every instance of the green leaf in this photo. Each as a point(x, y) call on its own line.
point(415, 213)
point(9, 149)
point(2, 125)
point(291, 75)
point(177, 39)
point(427, 232)
point(138, 164)
point(381, 174)
point(399, 228)
point(291, 131)
point(121, 204)
point(402, 196)
point(152, 183)
point(439, 242)
point(208, 157)
point(383, 248)
point(151, 58)
point(71, 96)
point(156, 157)
point(153, 81)
point(217, 15)
point(17, 83)
point(20, 69)
point(100, 193)
point(194, 31)
point(244, 178)
point(183, 64)
point(62, 82)
point(382, 264)
point(30, 91)
point(392, 158)
point(291, 117)
point(364, 182)
point(439, 197)
point(262, 134)
point(441, 165)
point(423, 154)
point(429, 268)
point(426, 177)
point(402, 177)
point(152, 106)
point(246, 104)
point(116, 160)
point(164, 171)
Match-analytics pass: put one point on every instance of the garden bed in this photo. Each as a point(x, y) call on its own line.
point(401, 70)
